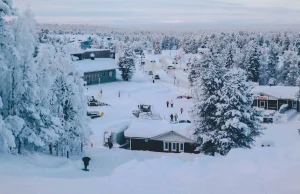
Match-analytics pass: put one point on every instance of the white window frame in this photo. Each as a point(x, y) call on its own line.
point(181, 150)
point(166, 149)
point(263, 105)
point(174, 150)
point(295, 104)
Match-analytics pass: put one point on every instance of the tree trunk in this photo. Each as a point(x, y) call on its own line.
point(57, 149)
point(19, 147)
point(68, 154)
point(81, 147)
point(50, 149)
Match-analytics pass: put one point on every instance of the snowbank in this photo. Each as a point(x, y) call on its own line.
point(261, 171)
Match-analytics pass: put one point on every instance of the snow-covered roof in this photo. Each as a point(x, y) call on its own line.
point(81, 51)
point(153, 128)
point(99, 64)
point(280, 92)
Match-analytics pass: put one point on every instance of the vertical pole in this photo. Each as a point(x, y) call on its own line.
point(81, 146)
point(68, 154)
point(57, 149)
point(19, 147)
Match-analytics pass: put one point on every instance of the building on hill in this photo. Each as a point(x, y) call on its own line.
point(86, 44)
point(99, 53)
point(273, 97)
point(160, 136)
point(97, 70)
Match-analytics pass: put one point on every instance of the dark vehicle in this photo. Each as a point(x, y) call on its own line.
point(187, 97)
point(142, 108)
point(94, 114)
point(93, 102)
point(170, 67)
point(268, 120)
point(150, 73)
point(156, 77)
point(184, 121)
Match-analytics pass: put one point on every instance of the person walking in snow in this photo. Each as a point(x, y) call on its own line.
point(167, 104)
point(153, 81)
point(171, 116)
point(176, 116)
point(110, 144)
point(171, 103)
point(181, 110)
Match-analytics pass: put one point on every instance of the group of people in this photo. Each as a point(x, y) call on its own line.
point(173, 117)
point(171, 103)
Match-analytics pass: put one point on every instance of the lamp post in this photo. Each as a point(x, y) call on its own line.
point(152, 67)
point(142, 62)
point(175, 63)
point(100, 88)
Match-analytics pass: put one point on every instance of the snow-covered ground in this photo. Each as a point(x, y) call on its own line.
point(261, 170)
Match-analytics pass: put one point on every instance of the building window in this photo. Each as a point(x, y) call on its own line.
point(294, 104)
point(181, 147)
point(174, 147)
point(262, 104)
point(166, 146)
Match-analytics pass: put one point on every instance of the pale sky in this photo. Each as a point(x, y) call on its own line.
point(167, 13)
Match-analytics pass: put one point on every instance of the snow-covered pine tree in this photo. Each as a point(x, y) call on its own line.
point(253, 66)
point(157, 49)
point(273, 62)
point(206, 96)
point(263, 61)
point(7, 139)
point(289, 72)
point(239, 120)
point(127, 63)
point(69, 104)
point(229, 58)
point(194, 71)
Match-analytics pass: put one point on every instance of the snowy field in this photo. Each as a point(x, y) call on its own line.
point(261, 170)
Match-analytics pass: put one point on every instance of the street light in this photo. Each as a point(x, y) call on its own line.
point(153, 61)
point(142, 62)
point(174, 63)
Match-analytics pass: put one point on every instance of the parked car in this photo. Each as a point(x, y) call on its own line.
point(156, 77)
point(170, 67)
point(150, 73)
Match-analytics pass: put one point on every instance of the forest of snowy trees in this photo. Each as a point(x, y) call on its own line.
point(267, 57)
point(42, 102)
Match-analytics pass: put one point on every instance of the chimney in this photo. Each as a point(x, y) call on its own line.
point(92, 56)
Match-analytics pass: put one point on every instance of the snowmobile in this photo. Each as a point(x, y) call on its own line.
point(145, 112)
point(94, 114)
point(142, 108)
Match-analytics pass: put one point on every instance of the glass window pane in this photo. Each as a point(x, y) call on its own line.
point(181, 146)
point(174, 146)
point(166, 145)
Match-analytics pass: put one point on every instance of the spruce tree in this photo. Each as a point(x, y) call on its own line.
point(206, 96)
point(272, 63)
point(239, 120)
point(253, 66)
point(289, 72)
point(127, 63)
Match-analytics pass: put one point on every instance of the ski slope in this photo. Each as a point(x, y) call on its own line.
point(261, 170)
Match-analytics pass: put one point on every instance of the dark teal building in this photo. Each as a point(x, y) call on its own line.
point(101, 70)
